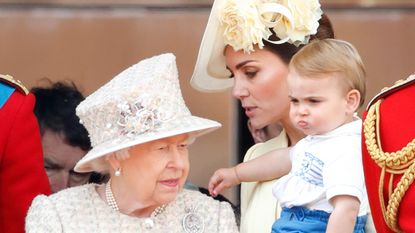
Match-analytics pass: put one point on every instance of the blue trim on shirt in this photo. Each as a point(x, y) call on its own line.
point(5, 92)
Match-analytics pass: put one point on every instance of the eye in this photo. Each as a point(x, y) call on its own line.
point(78, 177)
point(314, 101)
point(51, 167)
point(251, 74)
point(164, 147)
point(183, 146)
point(294, 100)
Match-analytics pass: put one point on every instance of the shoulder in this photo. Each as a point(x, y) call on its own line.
point(198, 198)
point(61, 208)
point(203, 203)
point(42, 216)
point(17, 84)
point(387, 91)
point(14, 83)
point(68, 200)
point(15, 94)
point(281, 141)
point(74, 194)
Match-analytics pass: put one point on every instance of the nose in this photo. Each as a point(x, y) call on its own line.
point(239, 89)
point(302, 110)
point(59, 181)
point(179, 158)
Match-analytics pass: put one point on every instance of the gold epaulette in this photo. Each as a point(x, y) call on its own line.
point(399, 162)
point(13, 82)
point(389, 90)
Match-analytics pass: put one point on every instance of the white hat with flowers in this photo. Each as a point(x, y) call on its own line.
point(141, 104)
point(243, 24)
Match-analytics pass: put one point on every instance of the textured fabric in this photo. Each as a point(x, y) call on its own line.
point(396, 130)
point(22, 176)
point(142, 103)
point(299, 219)
point(81, 209)
point(324, 166)
point(259, 208)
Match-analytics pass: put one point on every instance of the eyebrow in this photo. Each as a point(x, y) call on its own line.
point(238, 66)
point(51, 163)
point(243, 63)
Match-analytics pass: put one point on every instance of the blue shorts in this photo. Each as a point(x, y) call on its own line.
point(300, 219)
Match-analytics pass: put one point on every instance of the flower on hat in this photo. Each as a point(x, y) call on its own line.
point(246, 23)
point(242, 25)
point(143, 114)
point(306, 14)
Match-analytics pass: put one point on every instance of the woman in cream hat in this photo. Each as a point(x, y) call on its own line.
point(140, 129)
point(247, 46)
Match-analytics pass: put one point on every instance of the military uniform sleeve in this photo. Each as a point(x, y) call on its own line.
point(22, 174)
point(42, 217)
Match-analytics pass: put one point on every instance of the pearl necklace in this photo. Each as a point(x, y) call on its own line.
point(148, 222)
point(110, 197)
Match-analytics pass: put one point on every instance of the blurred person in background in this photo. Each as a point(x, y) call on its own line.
point(64, 140)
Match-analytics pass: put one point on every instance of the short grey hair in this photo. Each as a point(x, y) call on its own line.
point(102, 166)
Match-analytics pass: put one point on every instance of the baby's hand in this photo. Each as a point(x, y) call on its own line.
point(222, 179)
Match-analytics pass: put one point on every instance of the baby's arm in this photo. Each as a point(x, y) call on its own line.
point(269, 166)
point(343, 217)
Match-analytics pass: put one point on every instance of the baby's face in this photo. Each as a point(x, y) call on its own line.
point(318, 105)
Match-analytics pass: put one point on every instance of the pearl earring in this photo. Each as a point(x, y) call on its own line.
point(117, 172)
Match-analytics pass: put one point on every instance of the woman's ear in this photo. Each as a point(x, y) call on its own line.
point(113, 162)
point(352, 101)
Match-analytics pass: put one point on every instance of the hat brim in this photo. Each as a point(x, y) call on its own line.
point(195, 125)
point(210, 73)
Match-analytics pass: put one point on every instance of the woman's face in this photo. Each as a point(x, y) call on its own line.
point(156, 171)
point(59, 161)
point(260, 84)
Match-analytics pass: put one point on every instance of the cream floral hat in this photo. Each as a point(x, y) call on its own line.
point(243, 24)
point(141, 104)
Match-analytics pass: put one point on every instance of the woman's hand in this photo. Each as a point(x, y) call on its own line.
point(222, 179)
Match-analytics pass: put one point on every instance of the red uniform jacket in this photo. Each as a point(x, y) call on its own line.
point(389, 127)
point(22, 175)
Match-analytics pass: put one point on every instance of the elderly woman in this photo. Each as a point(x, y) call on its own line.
point(140, 130)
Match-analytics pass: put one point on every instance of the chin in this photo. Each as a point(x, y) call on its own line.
point(257, 123)
point(167, 198)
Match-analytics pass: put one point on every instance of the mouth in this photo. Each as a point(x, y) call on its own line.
point(172, 183)
point(302, 124)
point(249, 111)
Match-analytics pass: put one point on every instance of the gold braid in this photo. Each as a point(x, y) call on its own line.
point(398, 162)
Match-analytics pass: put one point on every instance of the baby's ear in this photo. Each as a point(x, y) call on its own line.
point(352, 100)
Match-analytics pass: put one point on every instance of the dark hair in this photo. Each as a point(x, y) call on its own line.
point(286, 50)
point(55, 111)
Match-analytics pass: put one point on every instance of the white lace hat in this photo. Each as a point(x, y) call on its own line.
point(141, 104)
point(244, 24)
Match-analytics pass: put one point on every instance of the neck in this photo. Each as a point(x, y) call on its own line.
point(120, 201)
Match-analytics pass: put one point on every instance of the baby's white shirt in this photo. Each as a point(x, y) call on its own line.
point(324, 166)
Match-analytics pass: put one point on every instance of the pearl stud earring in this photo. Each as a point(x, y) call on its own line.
point(117, 172)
